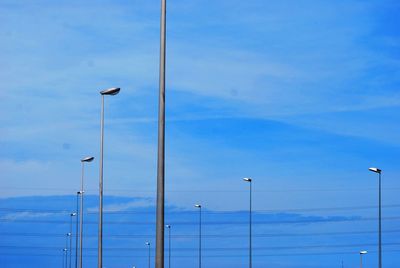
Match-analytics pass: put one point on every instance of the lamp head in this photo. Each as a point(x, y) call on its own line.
point(148, 243)
point(87, 159)
point(73, 214)
point(376, 170)
point(110, 91)
point(362, 252)
point(168, 226)
point(197, 206)
point(247, 179)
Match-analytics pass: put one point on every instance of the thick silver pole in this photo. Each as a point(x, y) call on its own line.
point(380, 221)
point(100, 235)
point(161, 146)
point(81, 220)
point(360, 260)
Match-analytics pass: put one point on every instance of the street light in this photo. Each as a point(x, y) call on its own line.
point(65, 257)
point(362, 252)
point(66, 248)
point(107, 92)
point(379, 171)
point(169, 244)
point(249, 180)
point(148, 244)
point(81, 192)
point(199, 207)
point(70, 238)
point(78, 193)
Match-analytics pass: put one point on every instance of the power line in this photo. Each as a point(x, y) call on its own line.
point(40, 235)
point(329, 220)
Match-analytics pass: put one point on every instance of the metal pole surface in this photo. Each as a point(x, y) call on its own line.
point(161, 146)
point(149, 254)
point(361, 261)
point(76, 229)
point(70, 241)
point(169, 246)
point(81, 220)
point(200, 237)
point(380, 222)
point(250, 231)
point(100, 234)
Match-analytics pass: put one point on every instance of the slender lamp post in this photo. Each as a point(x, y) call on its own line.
point(199, 207)
point(107, 92)
point(249, 180)
point(67, 236)
point(65, 257)
point(148, 245)
point(77, 228)
point(379, 172)
point(70, 238)
point(81, 193)
point(161, 144)
point(169, 244)
point(362, 252)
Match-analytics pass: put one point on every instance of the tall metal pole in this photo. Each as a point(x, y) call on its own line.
point(380, 222)
point(200, 237)
point(81, 220)
point(100, 234)
point(161, 145)
point(70, 239)
point(169, 245)
point(199, 207)
point(149, 253)
point(361, 260)
point(76, 228)
point(66, 250)
point(250, 227)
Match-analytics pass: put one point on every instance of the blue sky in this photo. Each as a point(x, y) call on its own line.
point(302, 96)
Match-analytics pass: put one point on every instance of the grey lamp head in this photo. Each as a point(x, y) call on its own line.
point(168, 226)
point(73, 214)
point(247, 179)
point(110, 91)
point(197, 206)
point(148, 243)
point(376, 170)
point(363, 252)
point(87, 159)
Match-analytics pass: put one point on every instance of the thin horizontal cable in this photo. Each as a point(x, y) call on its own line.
point(63, 211)
point(41, 235)
point(208, 222)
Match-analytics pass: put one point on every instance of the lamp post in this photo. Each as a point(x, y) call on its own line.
point(78, 193)
point(148, 244)
point(379, 172)
point(107, 92)
point(70, 238)
point(161, 144)
point(249, 180)
point(81, 193)
point(65, 257)
point(169, 244)
point(199, 207)
point(362, 252)
point(67, 236)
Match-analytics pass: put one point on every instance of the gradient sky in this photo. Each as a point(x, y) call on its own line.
point(302, 96)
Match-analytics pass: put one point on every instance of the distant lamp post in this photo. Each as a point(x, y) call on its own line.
point(108, 92)
point(249, 180)
point(70, 238)
point(362, 252)
point(149, 248)
point(65, 250)
point(379, 172)
point(169, 244)
point(81, 193)
point(199, 207)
